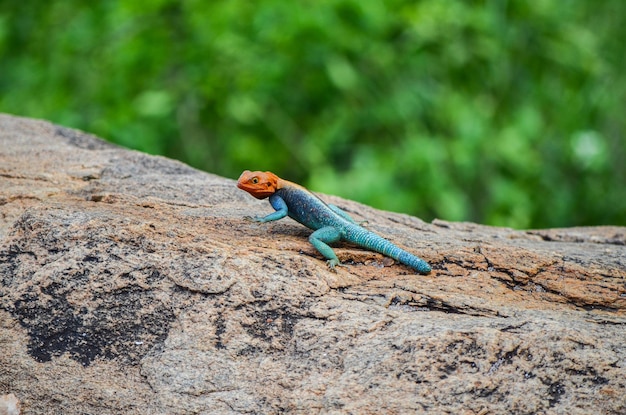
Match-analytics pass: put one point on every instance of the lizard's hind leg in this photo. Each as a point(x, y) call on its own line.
point(320, 240)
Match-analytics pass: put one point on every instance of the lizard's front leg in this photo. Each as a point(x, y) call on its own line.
point(320, 240)
point(279, 205)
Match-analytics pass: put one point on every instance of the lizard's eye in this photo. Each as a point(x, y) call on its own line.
point(254, 180)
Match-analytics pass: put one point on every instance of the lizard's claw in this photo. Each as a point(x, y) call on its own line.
point(332, 263)
point(255, 219)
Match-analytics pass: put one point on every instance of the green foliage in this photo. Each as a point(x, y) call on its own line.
point(501, 112)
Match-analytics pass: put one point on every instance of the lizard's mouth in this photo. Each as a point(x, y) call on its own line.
point(259, 193)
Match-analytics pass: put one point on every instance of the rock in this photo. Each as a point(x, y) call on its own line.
point(131, 284)
point(9, 405)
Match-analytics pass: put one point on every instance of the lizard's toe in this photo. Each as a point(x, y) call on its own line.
point(255, 219)
point(332, 263)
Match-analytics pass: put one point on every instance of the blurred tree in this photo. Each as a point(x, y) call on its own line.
point(500, 112)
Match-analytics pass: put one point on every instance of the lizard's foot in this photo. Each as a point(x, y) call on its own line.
point(256, 219)
point(332, 263)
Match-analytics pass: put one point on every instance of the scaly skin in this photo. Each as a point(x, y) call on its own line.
point(330, 224)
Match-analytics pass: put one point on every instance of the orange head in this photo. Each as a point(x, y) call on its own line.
point(259, 184)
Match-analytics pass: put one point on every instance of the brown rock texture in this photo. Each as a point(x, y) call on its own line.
point(9, 405)
point(131, 284)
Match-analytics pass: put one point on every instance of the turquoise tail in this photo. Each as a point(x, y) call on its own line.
point(414, 262)
point(370, 240)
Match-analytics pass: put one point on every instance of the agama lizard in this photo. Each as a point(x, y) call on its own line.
point(330, 224)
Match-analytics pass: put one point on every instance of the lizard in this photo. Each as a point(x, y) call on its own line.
point(329, 223)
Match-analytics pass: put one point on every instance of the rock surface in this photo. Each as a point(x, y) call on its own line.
point(130, 284)
point(9, 405)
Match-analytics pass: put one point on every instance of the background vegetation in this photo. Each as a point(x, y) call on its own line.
point(501, 112)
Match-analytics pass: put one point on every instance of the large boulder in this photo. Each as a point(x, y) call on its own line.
point(131, 284)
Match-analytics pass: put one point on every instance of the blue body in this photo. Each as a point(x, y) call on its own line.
point(331, 225)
